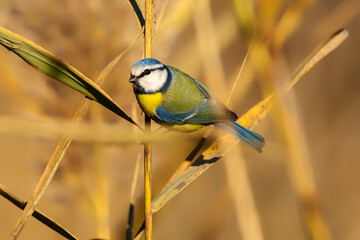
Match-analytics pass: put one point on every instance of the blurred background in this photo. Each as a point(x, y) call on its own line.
point(303, 186)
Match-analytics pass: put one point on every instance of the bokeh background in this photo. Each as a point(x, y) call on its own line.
point(305, 185)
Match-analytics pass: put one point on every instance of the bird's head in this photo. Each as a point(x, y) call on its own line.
point(149, 76)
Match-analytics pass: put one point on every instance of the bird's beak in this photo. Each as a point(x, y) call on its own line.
point(132, 79)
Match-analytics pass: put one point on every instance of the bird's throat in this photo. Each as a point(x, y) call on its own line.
point(149, 102)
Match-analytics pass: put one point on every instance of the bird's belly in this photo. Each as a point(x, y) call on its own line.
point(186, 127)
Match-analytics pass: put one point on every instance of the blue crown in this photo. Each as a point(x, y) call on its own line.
point(146, 62)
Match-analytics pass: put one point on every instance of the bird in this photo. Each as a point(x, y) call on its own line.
point(178, 102)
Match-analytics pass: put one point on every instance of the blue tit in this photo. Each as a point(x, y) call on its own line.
point(176, 101)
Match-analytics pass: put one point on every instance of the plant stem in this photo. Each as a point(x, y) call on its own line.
point(147, 185)
point(147, 146)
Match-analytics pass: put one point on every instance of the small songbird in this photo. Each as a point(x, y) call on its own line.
point(176, 101)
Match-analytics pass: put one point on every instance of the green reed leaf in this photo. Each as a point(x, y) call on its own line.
point(49, 64)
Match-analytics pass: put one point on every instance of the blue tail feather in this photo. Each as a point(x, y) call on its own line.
point(251, 138)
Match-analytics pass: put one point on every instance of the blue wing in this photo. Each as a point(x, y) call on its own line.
point(204, 114)
point(173, 118)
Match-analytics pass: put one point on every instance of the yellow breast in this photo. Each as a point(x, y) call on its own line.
point(149, 102)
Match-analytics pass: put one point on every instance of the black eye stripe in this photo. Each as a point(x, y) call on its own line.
point(148, 71)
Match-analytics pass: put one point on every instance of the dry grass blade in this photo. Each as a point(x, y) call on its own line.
point(239, 74)
point(250, 119)
point(319, 53)
point(60, 151)
point(36, 214)
point(50, 65)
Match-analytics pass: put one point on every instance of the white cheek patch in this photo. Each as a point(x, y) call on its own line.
point(154, 81)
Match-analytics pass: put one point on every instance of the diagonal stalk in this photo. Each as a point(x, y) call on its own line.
point(4, 192)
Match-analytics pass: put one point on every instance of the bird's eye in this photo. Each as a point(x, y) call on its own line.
point(147, 71)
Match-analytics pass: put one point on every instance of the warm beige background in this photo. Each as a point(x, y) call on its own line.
point(91, 190)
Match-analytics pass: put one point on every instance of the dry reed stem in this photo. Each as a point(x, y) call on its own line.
point(148, 146)
point(60, 150)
